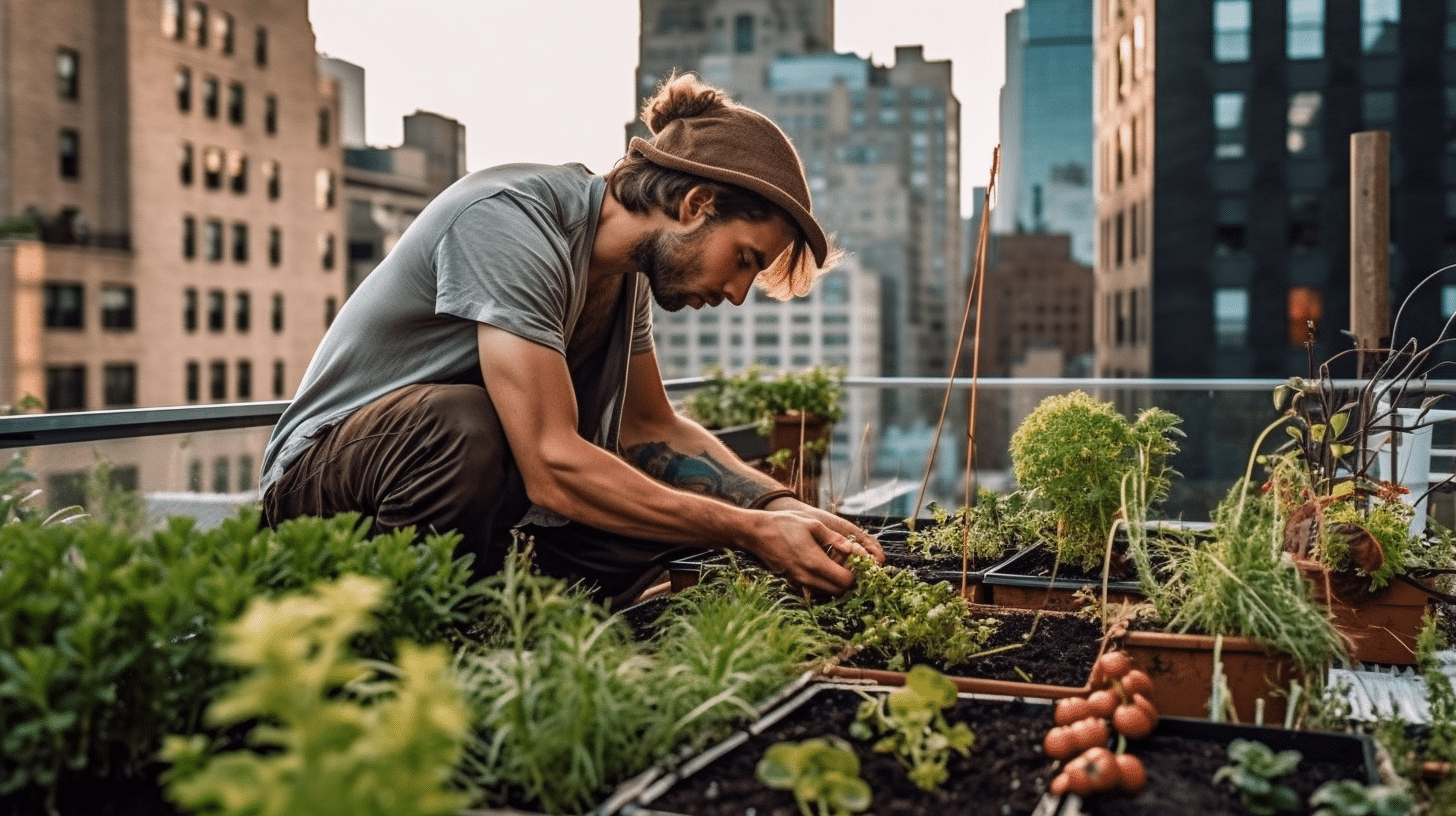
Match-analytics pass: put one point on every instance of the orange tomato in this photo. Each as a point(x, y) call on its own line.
point(1102, 770)
point(1132, 722)
point(1114, 664)
point(1059, 743)
point(1136, 681)
point(1102, 702)
point(1070, 709)
point(1147, 706)
point(1089, 733)
point(1133, 777)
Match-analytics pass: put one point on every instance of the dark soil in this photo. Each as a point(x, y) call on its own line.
point(1040, 561)
point(84, 795)
point(1060, 651)
point(1005, 774)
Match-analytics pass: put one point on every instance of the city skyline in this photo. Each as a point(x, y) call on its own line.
point(406, 57)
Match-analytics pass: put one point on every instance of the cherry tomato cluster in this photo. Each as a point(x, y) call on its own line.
point(1084, 726)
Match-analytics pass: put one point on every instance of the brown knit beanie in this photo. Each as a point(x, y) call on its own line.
point(737, 145)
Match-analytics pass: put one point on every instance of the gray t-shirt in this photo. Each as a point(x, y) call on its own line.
point(508, 246)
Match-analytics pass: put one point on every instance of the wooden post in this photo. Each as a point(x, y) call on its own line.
point(1370, 245)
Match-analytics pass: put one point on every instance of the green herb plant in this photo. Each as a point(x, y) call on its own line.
point(1347, 797)
point(750, 397)
point(1256, 773)
point(982, 531)
point(910, 723)
point(330, 735)
point(822, 773)
point(893, 614)
point(1071, 453)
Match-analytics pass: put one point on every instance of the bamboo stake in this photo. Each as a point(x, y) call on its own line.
point(1370, 246)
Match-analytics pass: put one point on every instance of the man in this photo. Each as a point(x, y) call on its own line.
point(496, 370)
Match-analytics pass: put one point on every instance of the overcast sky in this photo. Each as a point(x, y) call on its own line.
point(552, 80)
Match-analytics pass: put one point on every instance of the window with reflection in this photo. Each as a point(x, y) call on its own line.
point(119, 385)
point(210, 100)
point(118, 307)
point(1303, 138)
point(185, 164)
point(1231, 317)
point(68, 73)
point(1228, 121)
point(1231, 30)
point(1305, 30)
point(1380, 26)
point(183, 82)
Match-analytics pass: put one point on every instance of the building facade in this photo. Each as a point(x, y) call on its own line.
point(170, 181)
point(1223, 177)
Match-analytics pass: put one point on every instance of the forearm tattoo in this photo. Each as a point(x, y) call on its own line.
point(699, 474)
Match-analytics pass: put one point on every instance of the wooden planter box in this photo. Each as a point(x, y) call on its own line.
point(1181, 667)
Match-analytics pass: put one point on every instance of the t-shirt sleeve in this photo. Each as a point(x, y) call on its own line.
point(504, 262)
point(642, 319)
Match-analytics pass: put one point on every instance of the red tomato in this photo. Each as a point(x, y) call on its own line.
point(1089, 733)
point(1102, 702)
point(1070, 709)
point(1102, 770)
point(1136, 681)
point(1059, 743)
point(1114, 664)
point(1132, 722)
point(1133, 776)
point(1147, 706)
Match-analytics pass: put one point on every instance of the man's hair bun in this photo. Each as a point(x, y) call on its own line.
point(681, 96)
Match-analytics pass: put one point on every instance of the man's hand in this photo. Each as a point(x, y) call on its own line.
point(849, 534)
point(808, 546)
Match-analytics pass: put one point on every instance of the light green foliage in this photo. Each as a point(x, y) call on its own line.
point(17, 497)
point(332, 735)
point(1071, 454)
point(1440, 742)
point(568, 706)
point(892, 613)
point(1387, 521)
point(1347, 797)
point(914, 727)
point(751, 398)
point(106, 637)
point(1255, 772)
point(982, 531)
point(822, 772)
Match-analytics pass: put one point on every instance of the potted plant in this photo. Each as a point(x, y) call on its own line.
point(795, 411)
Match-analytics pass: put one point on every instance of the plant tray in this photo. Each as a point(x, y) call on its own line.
point(1181, 668)
point(1012, 584)
point(1182, 755)
point(1006, 772)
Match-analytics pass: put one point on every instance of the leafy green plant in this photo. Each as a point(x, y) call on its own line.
point(1255, 772)
point(1347, 797)
point(892, 613)
point(330, 733)
point(751, 398)
point(981, 531)
point(822, 772)
point(1071, 453)
point(911, 724)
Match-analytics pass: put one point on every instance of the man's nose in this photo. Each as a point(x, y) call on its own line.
point(737, 291)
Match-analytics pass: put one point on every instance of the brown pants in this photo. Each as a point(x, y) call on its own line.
point(435, 457)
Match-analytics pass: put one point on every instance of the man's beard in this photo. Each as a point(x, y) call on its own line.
point(670, 263)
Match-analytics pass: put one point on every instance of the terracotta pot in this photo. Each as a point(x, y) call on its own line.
point(790, 431)
point(1382, 627)
point(1181, 667)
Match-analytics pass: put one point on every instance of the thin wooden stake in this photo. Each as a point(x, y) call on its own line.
point(1370, 246)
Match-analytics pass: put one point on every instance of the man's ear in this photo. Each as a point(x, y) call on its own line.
point(696, 203)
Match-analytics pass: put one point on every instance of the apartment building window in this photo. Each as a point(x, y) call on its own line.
point(245, 380)
point(189, 310)
point(217, 380)
point(1124, 67)
point(1377, 109)
point(1380, 26)
point(1231, 225)
point(260, 47)
point(1306, 306)
point(64, 306)
point(211, 101)
point(65, 388)
point(324, 189)
point(184, 89)
point(1305, 32)
point(743, 34)
point(271, 180)
point(1228, 120)
point(331, 309)
point(216, 310)
point(173, 20)
point(326, 251)
point(68, 73)
point(213, 239)
point(325, 127)
point(270, 114)
point(1304, 217)
point(189, 237)
point(235, 103)
point(220, 474)
point(68, 151)
point(119, 385)
point(212, 166)
point(193, 379)
point(118, 307)
point(194, 476)
point(275, 246)
point(226, 33)
point(185, 164)
point(240, 242)
point(1303, 137)
point(279, 389)
point(243, 312)
point(1231, 317)
point(276, 314)
point(237, 172)
point(245, 472)
point(1231, 30)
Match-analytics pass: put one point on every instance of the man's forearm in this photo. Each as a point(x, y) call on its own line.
point(699, 473)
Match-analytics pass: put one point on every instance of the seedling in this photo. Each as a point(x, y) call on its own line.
point(911, 725)
point(1254, 771)
point(822, 772)
point(1350, 798)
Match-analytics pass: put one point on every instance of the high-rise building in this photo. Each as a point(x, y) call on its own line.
point(1045, 183)
point(1223, 176)
point(170, 177)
